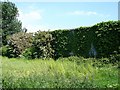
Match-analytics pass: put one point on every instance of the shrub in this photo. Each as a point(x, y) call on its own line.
point(104, 60)
point(114, 58)
point(29, 53)
point(3, 50)
point(19, 42)
point(76, 59)
point(9, 51)
point(41, 46)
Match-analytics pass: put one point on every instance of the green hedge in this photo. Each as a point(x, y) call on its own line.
point(100, 40)
point(107, 38)
point(104, 37)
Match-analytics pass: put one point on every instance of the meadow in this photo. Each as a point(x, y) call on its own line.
point(71, 72)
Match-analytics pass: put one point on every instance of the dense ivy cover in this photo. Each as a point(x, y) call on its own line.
point(102, 39)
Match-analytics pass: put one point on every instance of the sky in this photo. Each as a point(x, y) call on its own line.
point(64, 15)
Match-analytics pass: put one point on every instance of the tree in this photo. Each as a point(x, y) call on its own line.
point(10, 23)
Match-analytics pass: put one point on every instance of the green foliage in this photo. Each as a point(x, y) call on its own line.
point(8, 51)
point(103, 36)
point(19, 42)
point(18, 73)
point(0, 36)
point(28, 46)
point(75, 59)
point(114, 58)
point(61, 43)
point(29, 53)
point(10, 23)
point(3, 50)
point(41, 46)
point(107, 38)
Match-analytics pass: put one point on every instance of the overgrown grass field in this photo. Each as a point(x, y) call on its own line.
point(71, 72)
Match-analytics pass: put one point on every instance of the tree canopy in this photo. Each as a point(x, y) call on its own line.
point(10, 22)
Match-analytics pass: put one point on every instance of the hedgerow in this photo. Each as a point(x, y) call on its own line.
point(100, 40)
point(103, 38)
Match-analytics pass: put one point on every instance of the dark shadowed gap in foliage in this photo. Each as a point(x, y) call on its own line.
point(92, 52)
point(72, 42)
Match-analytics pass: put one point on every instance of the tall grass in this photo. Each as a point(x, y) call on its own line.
point(72, 72)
